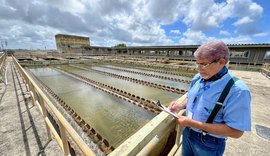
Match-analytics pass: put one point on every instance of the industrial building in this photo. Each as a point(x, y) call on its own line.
point(71, 43)
point(251, 54)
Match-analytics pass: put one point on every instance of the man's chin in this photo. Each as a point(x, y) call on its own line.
point(204, 76)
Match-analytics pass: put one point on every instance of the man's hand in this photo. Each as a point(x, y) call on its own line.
point(174, 107)
point(184, 121)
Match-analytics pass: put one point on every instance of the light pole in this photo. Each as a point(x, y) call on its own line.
point(44, 44)
point(4, 44)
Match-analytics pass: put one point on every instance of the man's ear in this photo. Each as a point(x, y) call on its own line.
point(222, 61)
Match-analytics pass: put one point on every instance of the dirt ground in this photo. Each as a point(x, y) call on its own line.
point(250, 143)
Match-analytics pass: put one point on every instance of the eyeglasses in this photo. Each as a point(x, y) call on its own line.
point(203, 66)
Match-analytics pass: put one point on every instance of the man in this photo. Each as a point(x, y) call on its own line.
point(234, 117)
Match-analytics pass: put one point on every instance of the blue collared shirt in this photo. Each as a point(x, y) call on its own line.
point(236, 110)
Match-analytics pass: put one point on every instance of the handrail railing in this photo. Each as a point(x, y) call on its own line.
point(42, 101)
point(178, 141)
point(265, 69)
point(2, 61)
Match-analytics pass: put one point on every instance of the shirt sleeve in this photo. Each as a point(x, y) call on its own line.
point(237, 109)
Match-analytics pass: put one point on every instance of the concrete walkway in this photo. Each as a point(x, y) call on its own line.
point(22, 128)
point(250, 144)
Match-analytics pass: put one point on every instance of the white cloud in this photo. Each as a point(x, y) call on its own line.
point(204, 15)
point(241, 39)
point(26, 36)
point(247, 13)
point(208, 15)
point(134, 22)
point(194, 37)
point(175, 32)
point(164, 11)
point(198, 37)
point(243, 20)
point(73, 6)
point(223, 32)
point(261, 34)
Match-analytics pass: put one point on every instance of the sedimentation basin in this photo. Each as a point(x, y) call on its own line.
point(114, 117)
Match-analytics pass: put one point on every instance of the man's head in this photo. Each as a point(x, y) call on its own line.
point(211, 58)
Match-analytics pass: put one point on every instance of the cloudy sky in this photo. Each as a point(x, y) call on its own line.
point(33, 24)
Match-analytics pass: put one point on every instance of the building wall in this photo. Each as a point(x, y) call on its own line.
point(66, 43)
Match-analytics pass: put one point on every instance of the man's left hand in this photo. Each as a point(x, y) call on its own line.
point(184, 121)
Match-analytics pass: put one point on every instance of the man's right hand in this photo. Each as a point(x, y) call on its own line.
point(174, 106)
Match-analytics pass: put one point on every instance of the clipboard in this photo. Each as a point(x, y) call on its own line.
point(164, 108)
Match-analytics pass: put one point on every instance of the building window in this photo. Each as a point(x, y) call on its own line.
point(152, 52)
point(189, 53)
point(239, 54)
point(267, 55)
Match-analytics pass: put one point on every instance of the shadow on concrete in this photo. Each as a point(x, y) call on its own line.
point(18, 87)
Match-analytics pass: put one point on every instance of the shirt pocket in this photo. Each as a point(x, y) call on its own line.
point(205, 108)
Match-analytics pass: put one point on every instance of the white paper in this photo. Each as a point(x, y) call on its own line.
point(164, 108)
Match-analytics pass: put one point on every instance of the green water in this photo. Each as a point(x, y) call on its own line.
point(134, 88)
point(145, 78)
point(114, 118)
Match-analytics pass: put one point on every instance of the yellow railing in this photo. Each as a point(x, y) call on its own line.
point(2, 62)
point(178, 141)
point(266, 69)
point(42, 101)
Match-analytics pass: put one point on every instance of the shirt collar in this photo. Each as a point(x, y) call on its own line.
point(218, 75)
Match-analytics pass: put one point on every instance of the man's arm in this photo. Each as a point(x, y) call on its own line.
point(219, 129)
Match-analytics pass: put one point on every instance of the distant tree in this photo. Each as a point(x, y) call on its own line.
point(121, 45)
